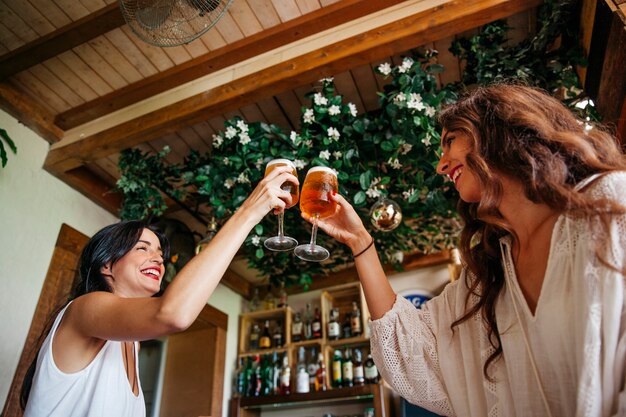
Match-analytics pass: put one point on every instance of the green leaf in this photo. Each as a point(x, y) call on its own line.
point(259, 253)
point(258, 229)
point(365, 180)
point(359, 198)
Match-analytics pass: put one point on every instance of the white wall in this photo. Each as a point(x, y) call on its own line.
point(33, 205)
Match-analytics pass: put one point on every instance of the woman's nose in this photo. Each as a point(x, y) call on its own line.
point(442, 165)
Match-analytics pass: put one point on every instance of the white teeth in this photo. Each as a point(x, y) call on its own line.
point(456, 174)
point(154, 272)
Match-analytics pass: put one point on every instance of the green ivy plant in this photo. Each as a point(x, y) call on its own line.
point(4, 138)
point(391, 152)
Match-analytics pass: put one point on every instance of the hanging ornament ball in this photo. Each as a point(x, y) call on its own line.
point(386, 215)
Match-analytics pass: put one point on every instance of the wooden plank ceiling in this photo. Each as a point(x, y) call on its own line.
point(76, 74)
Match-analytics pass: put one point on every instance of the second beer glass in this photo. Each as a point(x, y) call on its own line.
point(316, 201)
point(282, 242)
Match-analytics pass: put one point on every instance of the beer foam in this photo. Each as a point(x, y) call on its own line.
point(322, 169)
point(281, 161)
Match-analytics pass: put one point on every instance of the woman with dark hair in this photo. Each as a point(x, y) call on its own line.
point(87, 365)
point(536, 324)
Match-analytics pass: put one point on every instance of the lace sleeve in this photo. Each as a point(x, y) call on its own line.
point(404, 348)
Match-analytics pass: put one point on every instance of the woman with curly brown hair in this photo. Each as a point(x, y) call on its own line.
point(536, 325)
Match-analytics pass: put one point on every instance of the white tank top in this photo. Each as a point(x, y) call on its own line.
point(100, 389)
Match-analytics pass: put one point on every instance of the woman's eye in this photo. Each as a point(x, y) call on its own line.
point(142, 248)
point(449, 140)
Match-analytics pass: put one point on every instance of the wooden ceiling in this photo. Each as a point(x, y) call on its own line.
point(72, 71)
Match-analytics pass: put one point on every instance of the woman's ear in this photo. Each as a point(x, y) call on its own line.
point(106, 271)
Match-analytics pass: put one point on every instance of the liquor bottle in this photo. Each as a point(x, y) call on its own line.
point(265, 342)
point(347, 327)
point(296, 328)
point(282, 295)
point(278, 336)
point(308, 322)
point(355, 320)
point(302, 376)
point(311, 368)
point(359, 375)
point(240, 380)
point(333, 326)
point(255, 303)
point(249, 377)
point(266, 376)
point(285, 377)
point(269, 302)
point(347, 369)
point(316, 324)
point(320, 375)
point(254, 383)
point(337, 381)
point(371, 371)
point(275, 374)
point(255, 335)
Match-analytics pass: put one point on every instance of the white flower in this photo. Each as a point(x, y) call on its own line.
point(337, 154)
point(395, 163)
point(229, 183)
point(243, 178)
point(426, 141)
point(231, 132)
point(384, 68)
point(415, 102)
point(352, 108)
point(398, 256)
point(325, 155)
point(242, 126)
point(407, 63)
point(327, 80)
point(430, 111)
point(320, 100)
point(399, 98)
point(259, 163)
point(244, 139)
point(255, 240)
point(415, 96)
point(407, 194)
point(293, 136)
point(226, 161)
point(333, 134)
point(309, 117)
point(217, 141)
point(405, 148)
point(299, 163)
point(373, 192)
point(308, 143)
point(334, 110)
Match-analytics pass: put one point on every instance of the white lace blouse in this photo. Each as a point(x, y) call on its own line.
point(576, 338)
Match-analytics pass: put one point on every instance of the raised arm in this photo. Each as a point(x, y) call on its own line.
point(346, 226)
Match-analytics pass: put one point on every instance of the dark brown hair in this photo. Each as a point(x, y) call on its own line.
point(523, 133)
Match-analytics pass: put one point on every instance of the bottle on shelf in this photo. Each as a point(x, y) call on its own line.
point(355, 320)
point(285, 377)
point(311, 368)
point(254, 383)
point(316, 324)
point(296, 328)
point(278, 336)
point(275, 374)
point(240, 379)
point(255, 335)
point(320, 375)
point(269, 302)
point(302, 376)
point(308, 322)
point(249, 377)
point(282, 295)
point(371, 371)
point(347, 369)
point(266, 376)
point(359, 375)
point(265, 341)
point(333, 325)
point(337, 381)
point(346, 327)
point(255, 303)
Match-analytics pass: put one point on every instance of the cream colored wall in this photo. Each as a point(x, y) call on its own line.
point(33, 205)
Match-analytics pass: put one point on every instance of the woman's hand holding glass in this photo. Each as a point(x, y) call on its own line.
point(268, 194)
point(316, 203)
point(281, 242)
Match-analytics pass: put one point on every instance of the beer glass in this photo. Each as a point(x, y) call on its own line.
point(281, 242)
point(316, 201)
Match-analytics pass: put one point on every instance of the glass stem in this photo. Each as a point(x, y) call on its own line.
point(281, 216)
point(314, 231)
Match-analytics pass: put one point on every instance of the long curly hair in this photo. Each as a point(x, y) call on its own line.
point(523, 133)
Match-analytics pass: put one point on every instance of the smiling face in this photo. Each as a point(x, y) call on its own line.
point(456, 145)
point(139, 272)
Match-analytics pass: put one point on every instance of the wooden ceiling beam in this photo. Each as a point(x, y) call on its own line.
point(264, 41)
point(29, 113)
point(433, 23)
point(53, 44)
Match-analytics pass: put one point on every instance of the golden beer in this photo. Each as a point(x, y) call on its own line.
point(320, 183)
point(287, 186)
